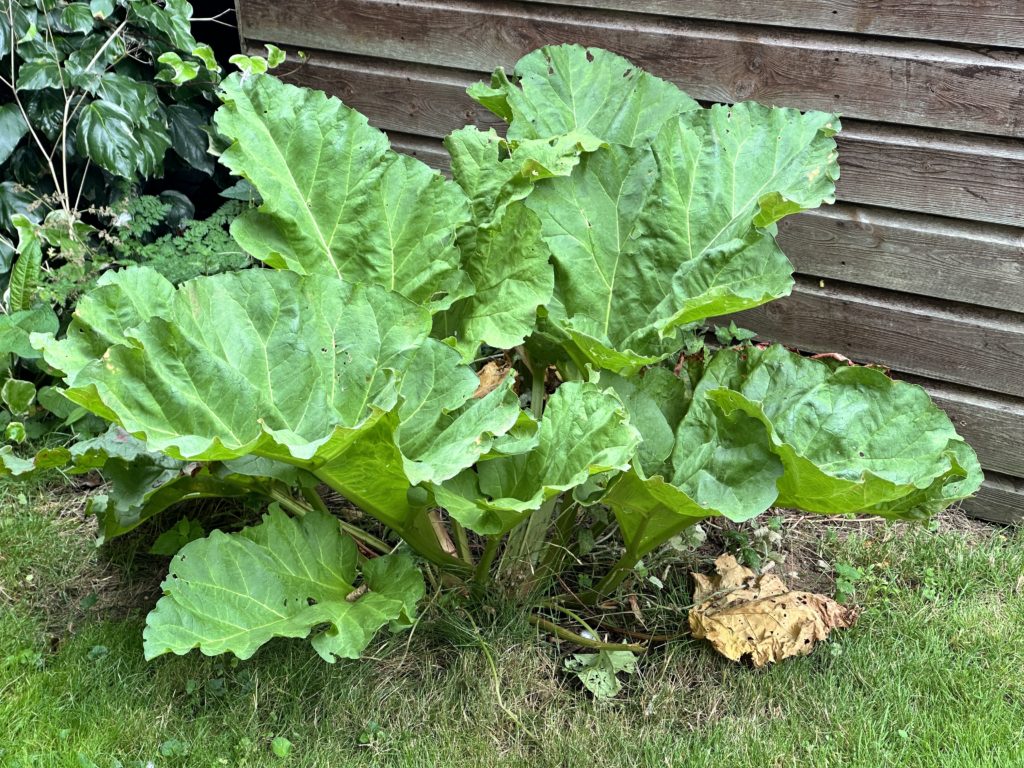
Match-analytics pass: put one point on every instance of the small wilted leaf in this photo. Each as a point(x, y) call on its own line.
point(490, 376)
point(599, 672)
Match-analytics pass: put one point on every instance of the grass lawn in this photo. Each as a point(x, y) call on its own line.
point(932, 674)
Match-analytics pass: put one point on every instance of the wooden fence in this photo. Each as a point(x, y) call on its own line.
point(919, 266)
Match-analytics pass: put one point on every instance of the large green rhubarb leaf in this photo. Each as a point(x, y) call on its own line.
point(502, 251)
point(231, 593)
point(336, 200)
point(850, 438)
point(336, 379)
point(703, 464)
point(248, 362)
point(647, 240)
point(769, 427)
point(561, 89)
point(584, 432)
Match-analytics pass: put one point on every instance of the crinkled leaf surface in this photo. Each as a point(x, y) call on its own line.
point(769, 427)
point(584, 431)
point(337, 379)
point(850, 438)
point(656, 401)
point(336, 200)
point(443, 425)
point(509, 267)
point(502, 251)
point(439, 429)
point(121, 301)
point(495, 172)
point(253, 361)
point(282, 578)
point(720, 464)
point(564, 89)
point(646, 240)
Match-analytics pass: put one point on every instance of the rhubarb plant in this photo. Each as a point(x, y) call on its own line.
point(472, 360)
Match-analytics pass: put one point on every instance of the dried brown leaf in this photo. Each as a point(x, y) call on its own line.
point(491, 376)
point(742, 614)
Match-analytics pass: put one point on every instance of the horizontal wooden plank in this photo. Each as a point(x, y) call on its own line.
point(972, 346)
point(992, 424)
point(1000, 500)
point(947, 174)
point(961, 175)
point(428, 150)
point(986, 22)
point(918, 83)
point(960, 261)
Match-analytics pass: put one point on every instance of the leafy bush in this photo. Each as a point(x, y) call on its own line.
point(99, 97)
point(577, 257)
point(98, 93)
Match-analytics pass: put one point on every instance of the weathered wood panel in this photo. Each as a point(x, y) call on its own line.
point(924, 84)
point(428, 150)
point(965, 345)
point(960, 261)
point(987, 22)
point(947, 174)
point(1000, 500)
point(958, 175)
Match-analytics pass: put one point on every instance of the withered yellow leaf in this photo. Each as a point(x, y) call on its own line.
point(743, 614)
point(491, 375)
